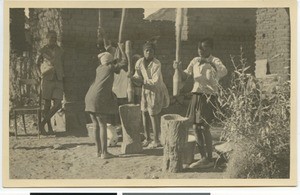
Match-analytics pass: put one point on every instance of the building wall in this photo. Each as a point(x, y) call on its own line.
point(273, 38)
point(79, 36)
point(229, 28)
point(138, 31)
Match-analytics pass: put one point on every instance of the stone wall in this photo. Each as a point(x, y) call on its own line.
point(273, 39)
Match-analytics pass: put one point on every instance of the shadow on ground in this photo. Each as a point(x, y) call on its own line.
point(56, 146)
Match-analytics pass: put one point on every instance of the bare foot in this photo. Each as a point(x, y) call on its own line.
point(107, 155)
point(154, 144)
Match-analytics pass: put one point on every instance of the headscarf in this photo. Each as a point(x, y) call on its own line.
point(105, 58)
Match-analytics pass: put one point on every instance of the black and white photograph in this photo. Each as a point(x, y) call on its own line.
point(171, 94)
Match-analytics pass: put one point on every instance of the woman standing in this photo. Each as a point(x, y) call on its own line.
point(154, 94)
point(101, 102)
point(206, 70)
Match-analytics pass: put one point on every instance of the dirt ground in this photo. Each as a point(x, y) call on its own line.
point(68, 157)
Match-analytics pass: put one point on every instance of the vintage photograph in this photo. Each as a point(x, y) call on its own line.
point(151, 94)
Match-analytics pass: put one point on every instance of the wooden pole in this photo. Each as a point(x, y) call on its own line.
point(99, 34)
point(99, 18)
point(130, 88)
point(176, 77)
point(122, 25)
point(128, 51)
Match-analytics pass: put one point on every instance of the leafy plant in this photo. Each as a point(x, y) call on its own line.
point(21, 67)
point(256, 118)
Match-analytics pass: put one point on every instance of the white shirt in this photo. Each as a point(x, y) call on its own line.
point(206, 73)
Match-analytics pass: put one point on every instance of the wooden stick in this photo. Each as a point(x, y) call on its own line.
point(176, 77)
point(130, 88)
point(99, 33)
point(122, 25)
point(179, 21)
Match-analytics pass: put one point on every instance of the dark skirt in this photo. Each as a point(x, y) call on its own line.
point(202, 108)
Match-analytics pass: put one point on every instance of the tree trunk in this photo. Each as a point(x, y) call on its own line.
point(174, 130)
point(130, 115)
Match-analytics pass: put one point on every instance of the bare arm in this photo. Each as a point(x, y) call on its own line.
point(220, 68)
point(184, 74)
point(137, 78)
point(123, 64)
point(119, 65)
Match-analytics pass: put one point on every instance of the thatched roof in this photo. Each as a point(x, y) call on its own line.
point(163, 14)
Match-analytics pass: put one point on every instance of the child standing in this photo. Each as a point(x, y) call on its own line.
point(154, 95)
point(101, 102)
point(206, 70)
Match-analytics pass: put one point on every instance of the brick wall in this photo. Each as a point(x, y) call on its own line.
point(79, 36)
point(273, 38)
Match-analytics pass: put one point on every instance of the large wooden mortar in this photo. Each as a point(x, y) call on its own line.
point(130, 115)
point(174, 136)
